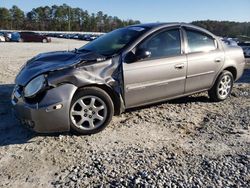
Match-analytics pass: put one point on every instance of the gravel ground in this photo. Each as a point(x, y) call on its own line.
point(189, 142)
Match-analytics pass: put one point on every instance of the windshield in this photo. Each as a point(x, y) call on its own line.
point(111, 43)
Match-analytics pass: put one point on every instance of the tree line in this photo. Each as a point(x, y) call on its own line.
point(59, 18)
point(226, 28)
point(66, 18)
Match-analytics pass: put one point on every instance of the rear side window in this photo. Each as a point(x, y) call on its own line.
point(200, 42)
point(163, 44)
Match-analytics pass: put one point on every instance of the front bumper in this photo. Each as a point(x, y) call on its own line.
point(51, 114)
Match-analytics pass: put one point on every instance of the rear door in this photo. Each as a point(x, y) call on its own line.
point(160, 76)
point(38, 37)
point(33, 37)
point(24, 37)
point(204, 58)
point(28, 37)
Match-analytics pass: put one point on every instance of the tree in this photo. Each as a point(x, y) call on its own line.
point(66, 18)
point(85, 21)
point(59, 18)
point(31, 21)
point(5, 18)
point(225, 28)
point(17, 18)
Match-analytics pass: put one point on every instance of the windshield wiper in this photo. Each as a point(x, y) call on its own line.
point(82, 50)
point(85, 50)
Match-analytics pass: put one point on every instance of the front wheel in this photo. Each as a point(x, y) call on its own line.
point(91, 110)
point(222, 87)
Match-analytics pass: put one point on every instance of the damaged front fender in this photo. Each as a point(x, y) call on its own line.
point(107, 74)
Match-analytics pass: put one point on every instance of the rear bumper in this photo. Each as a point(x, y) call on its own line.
point(240, 70)
point(51, 114)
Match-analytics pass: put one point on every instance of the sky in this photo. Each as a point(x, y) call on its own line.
point(152, 10)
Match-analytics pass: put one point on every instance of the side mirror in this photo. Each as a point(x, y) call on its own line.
point(130, 57)
point(142, 54)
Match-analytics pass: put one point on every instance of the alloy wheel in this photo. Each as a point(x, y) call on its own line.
point(225, 86)
point(88, 112)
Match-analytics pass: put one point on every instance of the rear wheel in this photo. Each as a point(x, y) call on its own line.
point(222, 87)
point(91, 111)
point(45, 41)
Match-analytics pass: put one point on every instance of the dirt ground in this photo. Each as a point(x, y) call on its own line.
point(189, 142)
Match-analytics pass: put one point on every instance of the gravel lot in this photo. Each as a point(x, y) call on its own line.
point(189, 142)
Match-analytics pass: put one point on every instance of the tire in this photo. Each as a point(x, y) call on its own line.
point(91, 111)
point(222, 87)
point(44, 41)
point(21, 40)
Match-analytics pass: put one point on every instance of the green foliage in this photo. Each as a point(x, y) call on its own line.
point(59, 18)
point(66, 18)
point(17, 17)
point(225, 28)
point(5, 18)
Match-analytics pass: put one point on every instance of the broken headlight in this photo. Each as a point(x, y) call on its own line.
point(34, 86)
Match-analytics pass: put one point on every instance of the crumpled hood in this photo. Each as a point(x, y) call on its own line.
point(52, 61)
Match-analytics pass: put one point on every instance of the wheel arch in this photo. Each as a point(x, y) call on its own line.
point(231, 69)
point(114, 97)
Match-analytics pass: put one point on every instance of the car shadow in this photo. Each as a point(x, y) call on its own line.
point(182, 100)
point(11, 132)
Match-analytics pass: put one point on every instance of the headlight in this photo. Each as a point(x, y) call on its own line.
point(34, 86)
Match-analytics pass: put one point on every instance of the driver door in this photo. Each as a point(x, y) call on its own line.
point(159, 76)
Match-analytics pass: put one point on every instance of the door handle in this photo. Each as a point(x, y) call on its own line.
point(217, 60)
point(179, 66)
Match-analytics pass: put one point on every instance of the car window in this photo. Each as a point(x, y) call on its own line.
point(114, 41)
point(166, 43)
point(200, 42)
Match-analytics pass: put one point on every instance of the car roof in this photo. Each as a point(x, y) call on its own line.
point(27, 32)
point(155, 25)
point(159, 25)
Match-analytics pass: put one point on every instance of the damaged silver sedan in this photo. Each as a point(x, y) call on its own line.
point(81, 90)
